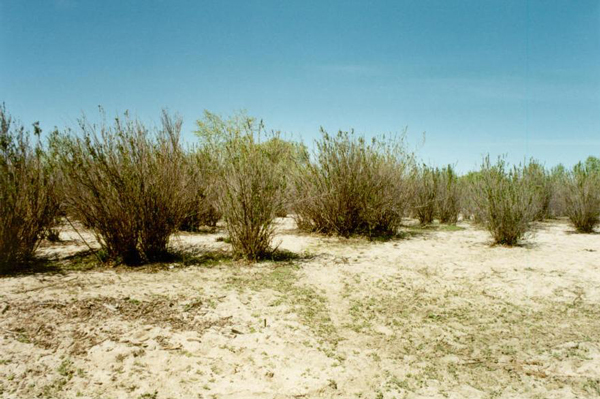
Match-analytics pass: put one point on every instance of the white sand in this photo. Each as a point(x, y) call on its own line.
point(439, 314)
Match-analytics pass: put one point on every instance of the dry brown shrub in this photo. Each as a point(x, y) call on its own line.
point(28, 204)
point(127, 183)
point(352, 186)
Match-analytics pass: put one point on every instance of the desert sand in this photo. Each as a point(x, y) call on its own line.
point(438, 313)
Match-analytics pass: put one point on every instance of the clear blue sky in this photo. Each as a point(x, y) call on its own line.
point(515, 77)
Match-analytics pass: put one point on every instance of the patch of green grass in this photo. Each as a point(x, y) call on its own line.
point(152, 395)
point(311, 307)
point(66, 369)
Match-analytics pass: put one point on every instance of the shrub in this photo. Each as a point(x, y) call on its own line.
point(201, 209)
point(540, 184)
point(352, 186)
point(503, 202)
point(28, 205)
point(468, 207)
point(582, 196)
point(425, 190)
point(558, 178)
point(250, 187)
point(448, 197)
point(126, 183)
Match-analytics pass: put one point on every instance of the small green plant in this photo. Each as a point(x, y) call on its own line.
point(28, 202)
point(126, 183)
point(582, 195)
point(352, 186)
point(503, 201)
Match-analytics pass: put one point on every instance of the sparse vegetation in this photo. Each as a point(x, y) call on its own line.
point(28, 203)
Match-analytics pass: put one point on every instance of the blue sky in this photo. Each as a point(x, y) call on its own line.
point(520, 78)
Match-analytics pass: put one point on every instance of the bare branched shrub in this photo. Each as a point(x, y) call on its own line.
point(558, 177)
point(28, 204)
point(541, 185)
point(250, 186)
point(425, 190)
point(201, 209)
point(503, 201)
point(468, 206)
point(448, 197)
point(582, 195)
point(352, 186)
point(126, 183)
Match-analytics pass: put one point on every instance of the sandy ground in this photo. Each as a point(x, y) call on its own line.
point(439, 313)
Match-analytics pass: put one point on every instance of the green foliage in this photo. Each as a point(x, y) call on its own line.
point(425, 190)
point(249, 186)
point(582, 195)
point(448, 196)
point(126, 183)
point(503, 201)
point(541, 186)
point(352, 186)
point(28, 204)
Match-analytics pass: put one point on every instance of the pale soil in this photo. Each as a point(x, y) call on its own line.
point(437, 314)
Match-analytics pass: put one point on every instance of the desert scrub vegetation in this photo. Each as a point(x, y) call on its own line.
point(448, 196)
point(28, 203)
point(582, 195)
point(540, 183)
point(425, 181)
point(352, 186)
point(503, 201)
point(250, 186)
point(126, 183)
point(201, 208)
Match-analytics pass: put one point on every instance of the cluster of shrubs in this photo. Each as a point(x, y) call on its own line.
point(436, 194)
point(133, 187)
